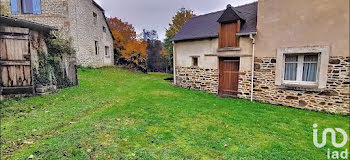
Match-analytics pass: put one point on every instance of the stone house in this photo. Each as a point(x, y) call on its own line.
point(295, 55)
point(25, 68)
point(83, 21)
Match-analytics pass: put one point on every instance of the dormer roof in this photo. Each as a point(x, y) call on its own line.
point(230, 15)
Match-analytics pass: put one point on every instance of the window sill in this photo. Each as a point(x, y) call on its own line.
point(229, 49)
point(195, 67)
point(300, 87)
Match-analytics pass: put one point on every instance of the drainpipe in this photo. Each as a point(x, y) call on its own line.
point(174, 62)
point(253, 56)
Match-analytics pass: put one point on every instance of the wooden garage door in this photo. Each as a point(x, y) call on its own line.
point(15, 66)
point(229, 74)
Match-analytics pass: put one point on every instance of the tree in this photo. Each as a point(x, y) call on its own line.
point(181, 17)
point(129, 50)
point(135, 54)
point(149, 35)
point(123, 32)
point(156, 61)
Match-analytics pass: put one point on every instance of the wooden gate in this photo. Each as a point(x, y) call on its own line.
point(15, 61)
point(228, 76)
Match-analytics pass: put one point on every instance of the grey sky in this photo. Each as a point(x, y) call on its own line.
point(157, 14)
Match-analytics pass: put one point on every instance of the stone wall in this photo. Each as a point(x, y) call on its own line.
point(85, 32)
point(333, 99)
point(60, 72)
point(74, 18)
point(53, 13)
point(5, 7)
point(198, 79)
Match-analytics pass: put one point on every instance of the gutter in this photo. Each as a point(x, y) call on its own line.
point(246, 34)
point(210, 37)
point(252, 77)
point(174, 62)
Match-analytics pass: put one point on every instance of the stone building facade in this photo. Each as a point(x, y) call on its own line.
point(28, 66)
point(83, 21)
point(334, 98)
point(317, 77)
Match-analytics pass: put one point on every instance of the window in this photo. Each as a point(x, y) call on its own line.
point(194, 61)
point(104, 29)
point(301, 69)
point(25, 6)
point(95, 18)
point(106, 51)
point(96, 47)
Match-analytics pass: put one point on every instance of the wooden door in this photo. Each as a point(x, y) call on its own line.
point(15, 64)
point(228, 76)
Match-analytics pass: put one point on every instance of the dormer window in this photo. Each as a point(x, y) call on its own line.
point(229, 26)
point(227, 35)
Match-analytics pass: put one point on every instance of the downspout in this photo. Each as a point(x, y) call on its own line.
point(174, 62)
point(252, 78)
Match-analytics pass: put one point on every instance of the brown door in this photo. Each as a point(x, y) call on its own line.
point(228, 78)
point(15, 66)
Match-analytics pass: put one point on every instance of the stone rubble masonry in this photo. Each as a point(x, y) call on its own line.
point(198, 79)
point(333, 99)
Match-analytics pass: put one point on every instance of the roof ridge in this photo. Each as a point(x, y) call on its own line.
point(224, 10)
point(207, 14)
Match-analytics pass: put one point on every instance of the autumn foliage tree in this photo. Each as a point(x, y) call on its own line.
point(180, 18)
point(135, 53)
point(130, 51)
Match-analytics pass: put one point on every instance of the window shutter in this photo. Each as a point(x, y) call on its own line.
point(36, 7)
point(14, 6)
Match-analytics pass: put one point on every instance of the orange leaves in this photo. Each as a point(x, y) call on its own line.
point(135, 52)
point(123, 32)
point(132, 50)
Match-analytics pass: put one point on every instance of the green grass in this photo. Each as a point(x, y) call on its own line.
point(119, 114)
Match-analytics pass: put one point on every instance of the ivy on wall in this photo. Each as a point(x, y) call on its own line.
point(51, 64)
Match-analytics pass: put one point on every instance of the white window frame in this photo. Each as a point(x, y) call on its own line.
point(323, 61)
point(300, 70)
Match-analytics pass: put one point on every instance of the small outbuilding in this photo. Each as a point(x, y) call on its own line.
point(27, 65)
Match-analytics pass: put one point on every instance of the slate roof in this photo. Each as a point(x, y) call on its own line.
point(206, 26)
point(15, 22)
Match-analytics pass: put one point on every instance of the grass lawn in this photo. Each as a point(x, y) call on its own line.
point(117, 114)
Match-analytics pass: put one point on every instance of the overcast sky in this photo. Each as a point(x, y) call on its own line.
point(157, 14)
